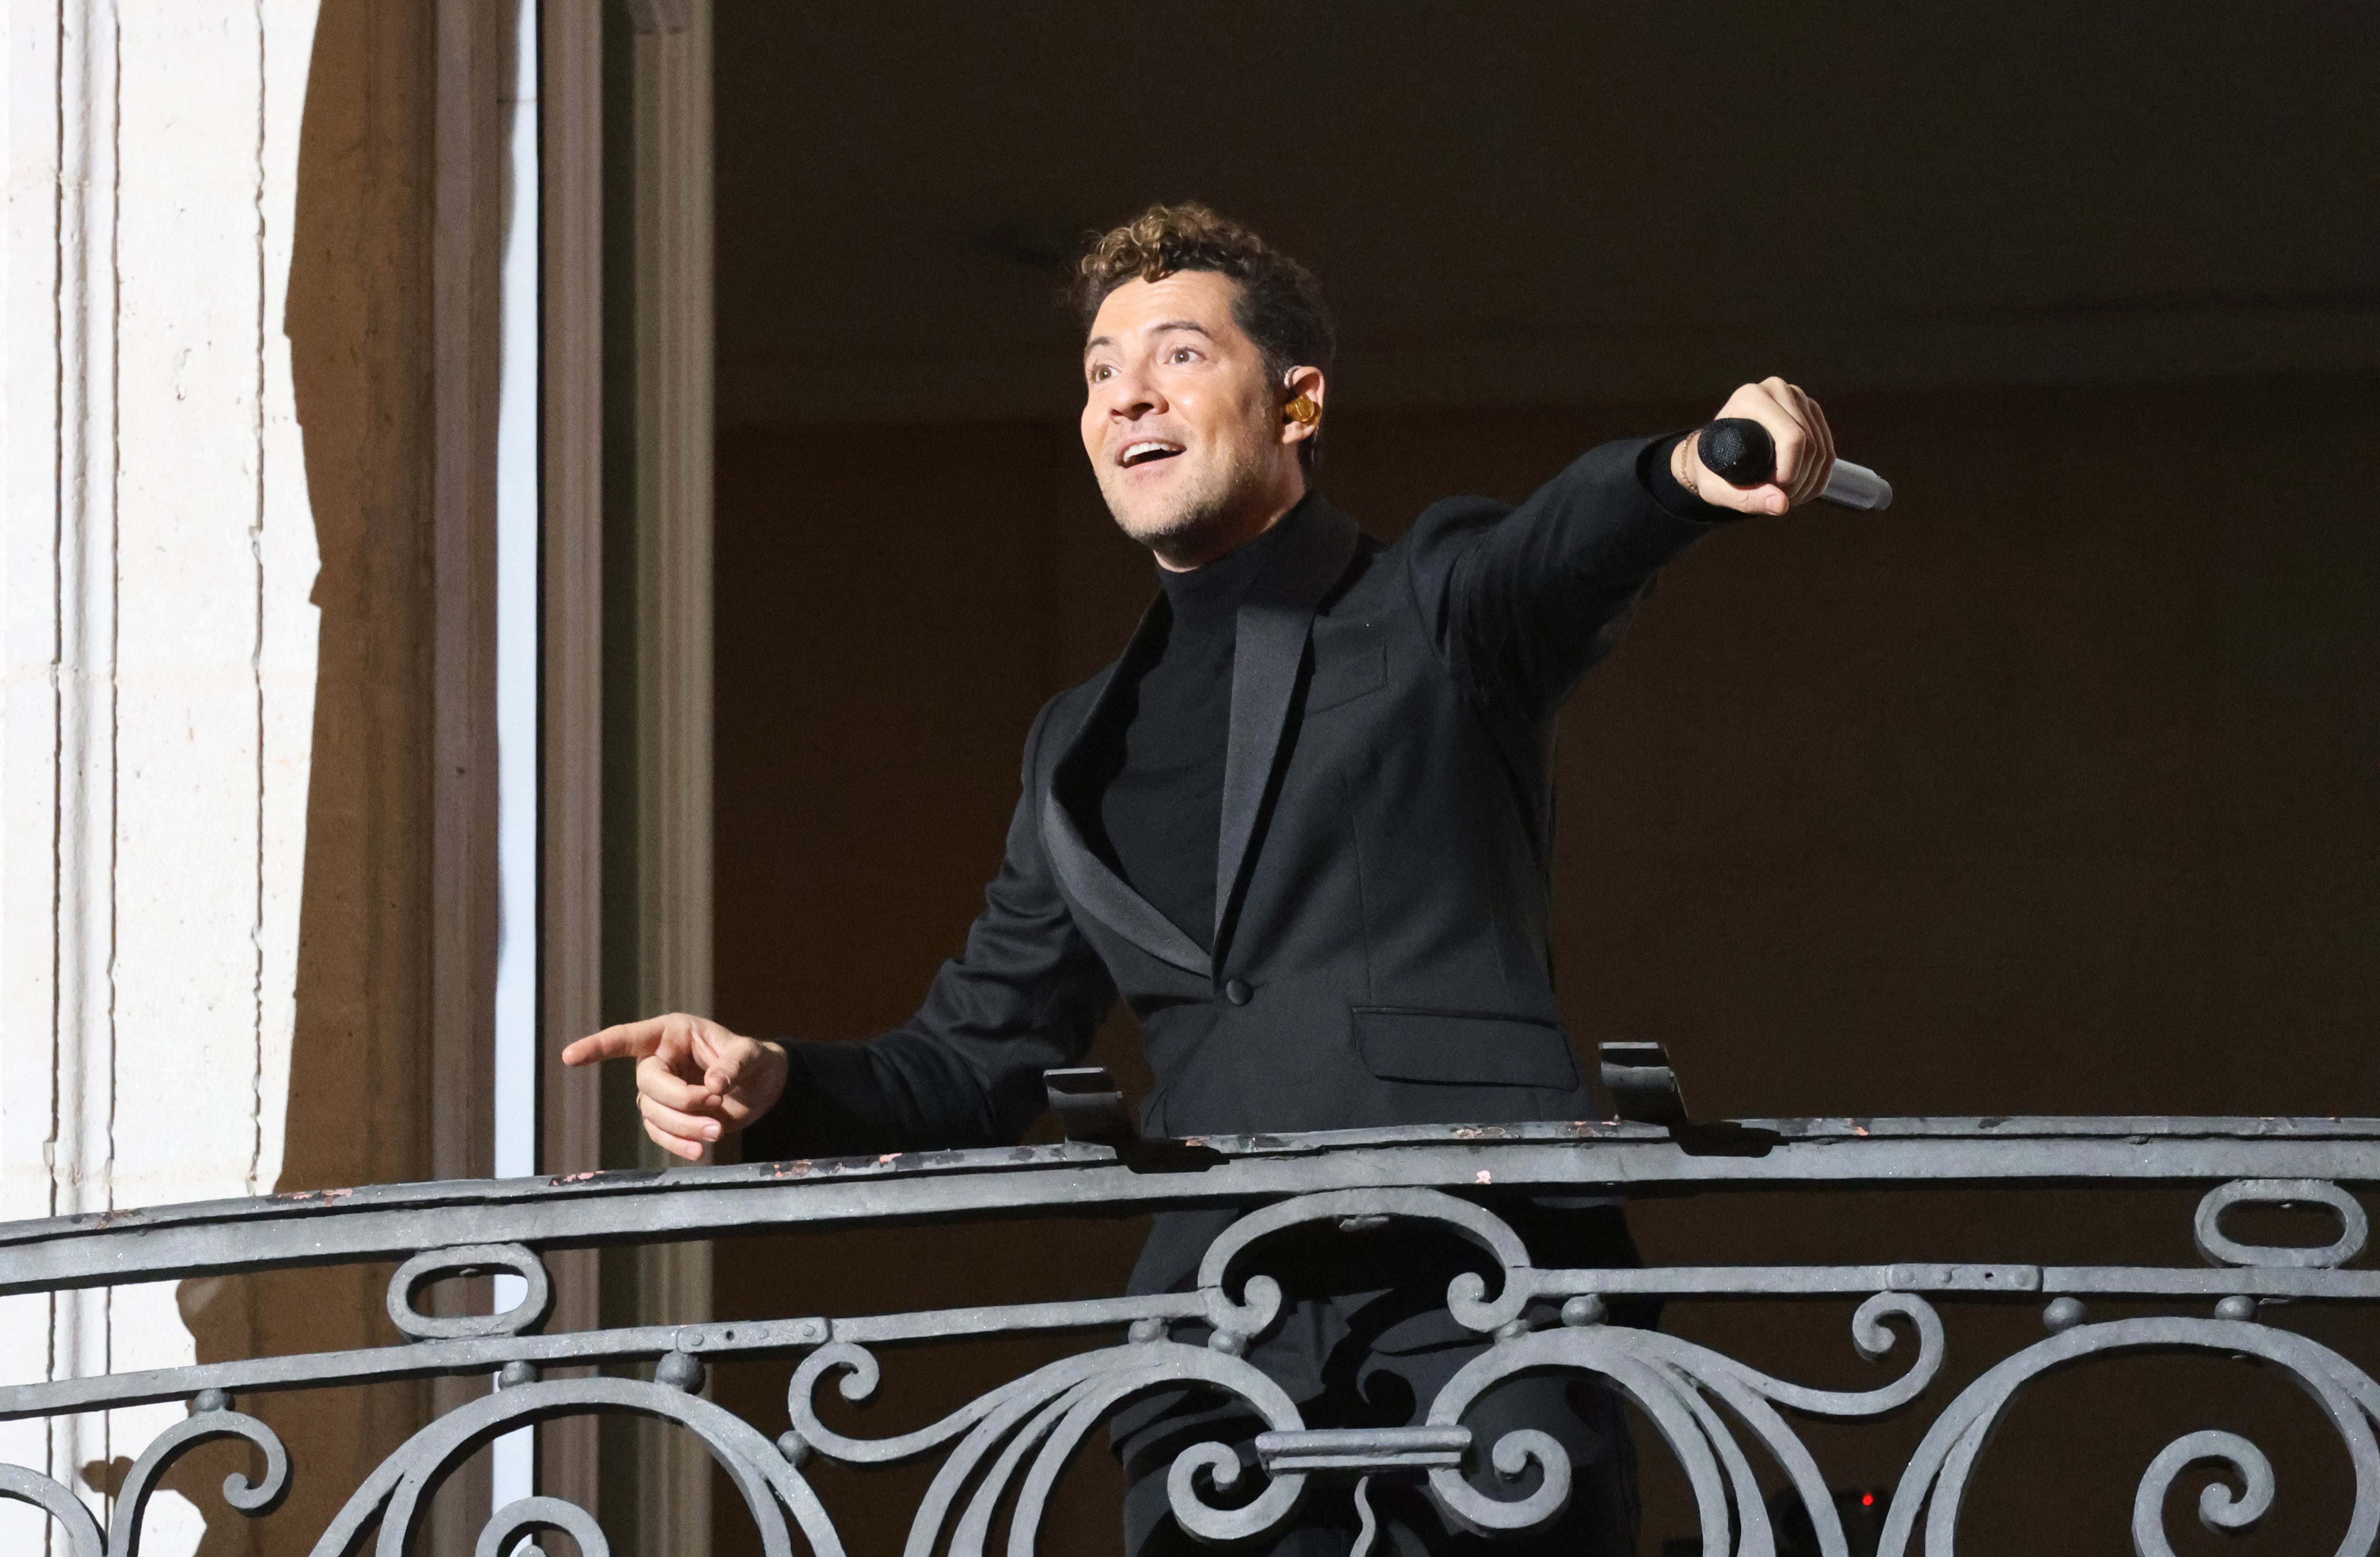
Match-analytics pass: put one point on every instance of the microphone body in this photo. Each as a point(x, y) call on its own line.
point(1740, 452)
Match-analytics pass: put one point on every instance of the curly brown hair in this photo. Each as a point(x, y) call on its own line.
point(1277, 302)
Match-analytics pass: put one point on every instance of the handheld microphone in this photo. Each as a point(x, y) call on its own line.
point(1741, 453)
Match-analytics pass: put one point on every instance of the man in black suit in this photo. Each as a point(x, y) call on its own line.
point(1304, 827)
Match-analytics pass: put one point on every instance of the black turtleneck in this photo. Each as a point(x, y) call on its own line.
point(1160, 806)
point(1158, 766)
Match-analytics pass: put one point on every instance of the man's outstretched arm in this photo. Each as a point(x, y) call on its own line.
point(1027, 994)
point(1526, 600)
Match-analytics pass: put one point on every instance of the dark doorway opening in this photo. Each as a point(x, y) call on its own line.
point(2056, 789)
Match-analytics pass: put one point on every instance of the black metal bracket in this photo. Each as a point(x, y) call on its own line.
point(1645, 1090)
point(1091, 1108)
point(1642, 1086)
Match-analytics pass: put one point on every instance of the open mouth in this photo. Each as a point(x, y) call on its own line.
point(1146, 451)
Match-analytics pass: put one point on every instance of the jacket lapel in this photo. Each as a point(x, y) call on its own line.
point(1104, 892)
point(1266, 657)
point(1267, 652)
point(1085, 875)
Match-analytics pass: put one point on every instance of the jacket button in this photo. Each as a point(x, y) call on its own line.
point(1238, 992)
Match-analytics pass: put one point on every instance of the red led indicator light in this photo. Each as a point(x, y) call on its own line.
point(1868, 1500)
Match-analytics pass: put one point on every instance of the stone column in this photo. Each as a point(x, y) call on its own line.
point(157, 552)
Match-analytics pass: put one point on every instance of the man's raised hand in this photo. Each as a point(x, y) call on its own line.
point(1805, 451)
point(696, 1081)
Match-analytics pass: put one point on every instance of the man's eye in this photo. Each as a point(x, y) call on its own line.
point(1099, 374)
point(1183, 354)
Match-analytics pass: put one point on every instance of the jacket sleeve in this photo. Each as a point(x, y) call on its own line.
point(1027, 993)
point(1523, 600)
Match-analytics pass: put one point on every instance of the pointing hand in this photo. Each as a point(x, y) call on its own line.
point(696, 1081)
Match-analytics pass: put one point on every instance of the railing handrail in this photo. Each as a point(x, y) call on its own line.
point(384, 1221)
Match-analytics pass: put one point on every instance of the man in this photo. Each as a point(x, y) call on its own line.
point(1304, 827)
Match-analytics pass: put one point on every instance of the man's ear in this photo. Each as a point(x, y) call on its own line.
point(1302, 408)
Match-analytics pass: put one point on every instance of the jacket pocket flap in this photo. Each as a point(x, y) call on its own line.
point(1345, 680)
point(1463, 1048)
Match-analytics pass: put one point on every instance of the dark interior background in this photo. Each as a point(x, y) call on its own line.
point(2056, 789)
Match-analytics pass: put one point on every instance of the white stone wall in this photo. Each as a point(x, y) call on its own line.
point(156, 555)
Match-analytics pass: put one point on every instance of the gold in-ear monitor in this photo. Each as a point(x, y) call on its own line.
point(1302, 411)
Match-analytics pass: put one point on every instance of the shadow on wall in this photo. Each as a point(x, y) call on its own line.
point(358, 330)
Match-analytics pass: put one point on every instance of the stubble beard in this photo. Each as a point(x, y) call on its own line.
point(1195, 523)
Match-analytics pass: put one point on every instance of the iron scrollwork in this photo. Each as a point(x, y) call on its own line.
point(1000, 1457)
point(469, 1259)
point(210, 1419)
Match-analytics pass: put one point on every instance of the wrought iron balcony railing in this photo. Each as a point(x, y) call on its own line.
point(1000, 1456)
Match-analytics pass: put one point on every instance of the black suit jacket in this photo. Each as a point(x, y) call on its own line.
point(1383, 878)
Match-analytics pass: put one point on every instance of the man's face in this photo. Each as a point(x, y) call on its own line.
point(1182, 422)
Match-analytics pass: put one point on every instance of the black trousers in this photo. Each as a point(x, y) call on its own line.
point(1365, 1341)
